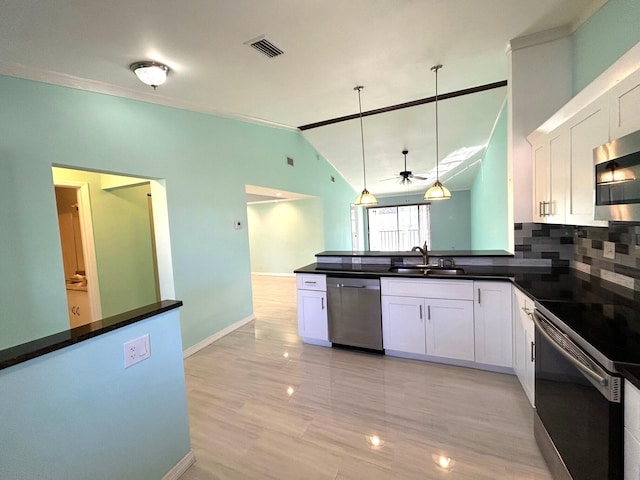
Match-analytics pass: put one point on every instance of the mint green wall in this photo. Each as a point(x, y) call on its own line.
point(284, 235)
point(450, 219)
point(603, 38)
point(126, 265)
point(122, 237)
point(489, 193)
point(206, 161)
point(77, 413)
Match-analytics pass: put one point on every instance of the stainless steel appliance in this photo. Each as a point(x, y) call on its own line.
point(578, 423)
point(617, 179)
point(353, 306)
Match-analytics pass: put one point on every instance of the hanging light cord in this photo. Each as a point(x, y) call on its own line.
point(364, 170)
point(435, 69)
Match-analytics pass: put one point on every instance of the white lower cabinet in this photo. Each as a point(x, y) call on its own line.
point(437, 323)
point(79, 308)
point(524, 343)
point(450, 329)
point(493, 324)
point(403, 327)
point(312, 309)
point(631, 432)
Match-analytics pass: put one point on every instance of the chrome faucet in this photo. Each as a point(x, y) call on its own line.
point(424, 250)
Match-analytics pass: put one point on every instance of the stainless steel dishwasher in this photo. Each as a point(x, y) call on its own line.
point(353, 307)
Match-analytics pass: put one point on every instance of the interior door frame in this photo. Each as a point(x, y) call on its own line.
point(88, 244)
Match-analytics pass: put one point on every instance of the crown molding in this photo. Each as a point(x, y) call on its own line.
point(94, 86)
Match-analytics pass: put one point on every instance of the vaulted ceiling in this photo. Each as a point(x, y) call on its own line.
point(330, 46)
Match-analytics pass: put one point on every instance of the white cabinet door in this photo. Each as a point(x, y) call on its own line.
point(493, 324)
point(523, 343)
point(625, 106)
point(558, 175)
point(540, 181)
point(450, 329)
point(403, 328)
point(312, 315)
point(79, 309)
point(588, 130)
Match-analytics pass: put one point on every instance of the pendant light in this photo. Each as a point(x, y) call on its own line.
point(365, 198)
point(438, 191)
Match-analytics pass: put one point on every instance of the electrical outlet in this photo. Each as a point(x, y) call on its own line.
point(136, 350)
point(609, 250)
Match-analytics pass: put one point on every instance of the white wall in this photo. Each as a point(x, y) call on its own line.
point(284, 235)
point(539, 84)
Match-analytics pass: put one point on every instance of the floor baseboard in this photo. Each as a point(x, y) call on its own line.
point(182, 466)
point(216, 336)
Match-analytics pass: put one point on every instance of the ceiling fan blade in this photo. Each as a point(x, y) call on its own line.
point(390, 178)
point(419, 177)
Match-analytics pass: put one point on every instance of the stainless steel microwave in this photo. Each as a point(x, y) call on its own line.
point(617, 179)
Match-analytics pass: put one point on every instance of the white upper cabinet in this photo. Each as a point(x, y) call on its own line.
point(541, 181)
point(562, 147)
point(558, 166)
point(624, 100)
point(587, 130)
point(550, 166)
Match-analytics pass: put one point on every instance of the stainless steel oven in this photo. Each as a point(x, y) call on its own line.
point(579, 420)
point(617, 179)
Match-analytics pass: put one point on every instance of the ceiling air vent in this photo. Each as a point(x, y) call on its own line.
point(265, 47)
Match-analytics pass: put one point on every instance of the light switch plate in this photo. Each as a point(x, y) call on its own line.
point(136, 350)
point(609, 250)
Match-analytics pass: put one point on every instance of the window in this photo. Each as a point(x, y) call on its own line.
point(399, 227)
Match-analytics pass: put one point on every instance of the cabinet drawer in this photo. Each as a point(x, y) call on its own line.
point(312, 281)
point(427, 288)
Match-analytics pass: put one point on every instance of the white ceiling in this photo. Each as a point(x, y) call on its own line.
point(330, 46)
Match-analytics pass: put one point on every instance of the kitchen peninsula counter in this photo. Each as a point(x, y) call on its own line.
point(588, 303)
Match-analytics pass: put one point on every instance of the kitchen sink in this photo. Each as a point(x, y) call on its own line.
point(408, 269)
point(445, 271)
point(424, 270)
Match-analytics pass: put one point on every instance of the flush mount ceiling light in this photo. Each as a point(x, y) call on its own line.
point(438, 191)
point(153, 74)
point(365, 198)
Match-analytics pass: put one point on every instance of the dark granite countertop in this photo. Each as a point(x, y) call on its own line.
point(434, 253)
point(606, 316)
point(36, 348)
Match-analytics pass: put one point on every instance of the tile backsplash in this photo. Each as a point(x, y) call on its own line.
point(611, 253)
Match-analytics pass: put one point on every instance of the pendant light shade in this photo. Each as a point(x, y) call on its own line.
point(365, 198)
point(438, 191)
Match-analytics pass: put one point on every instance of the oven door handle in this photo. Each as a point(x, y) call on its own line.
point(537, 319)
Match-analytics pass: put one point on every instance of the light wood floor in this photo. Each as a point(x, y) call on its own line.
point(263, 405)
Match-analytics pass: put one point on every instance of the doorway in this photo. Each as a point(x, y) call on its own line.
point(78, 253)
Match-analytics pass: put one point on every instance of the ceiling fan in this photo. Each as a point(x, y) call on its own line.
point(406, 176)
